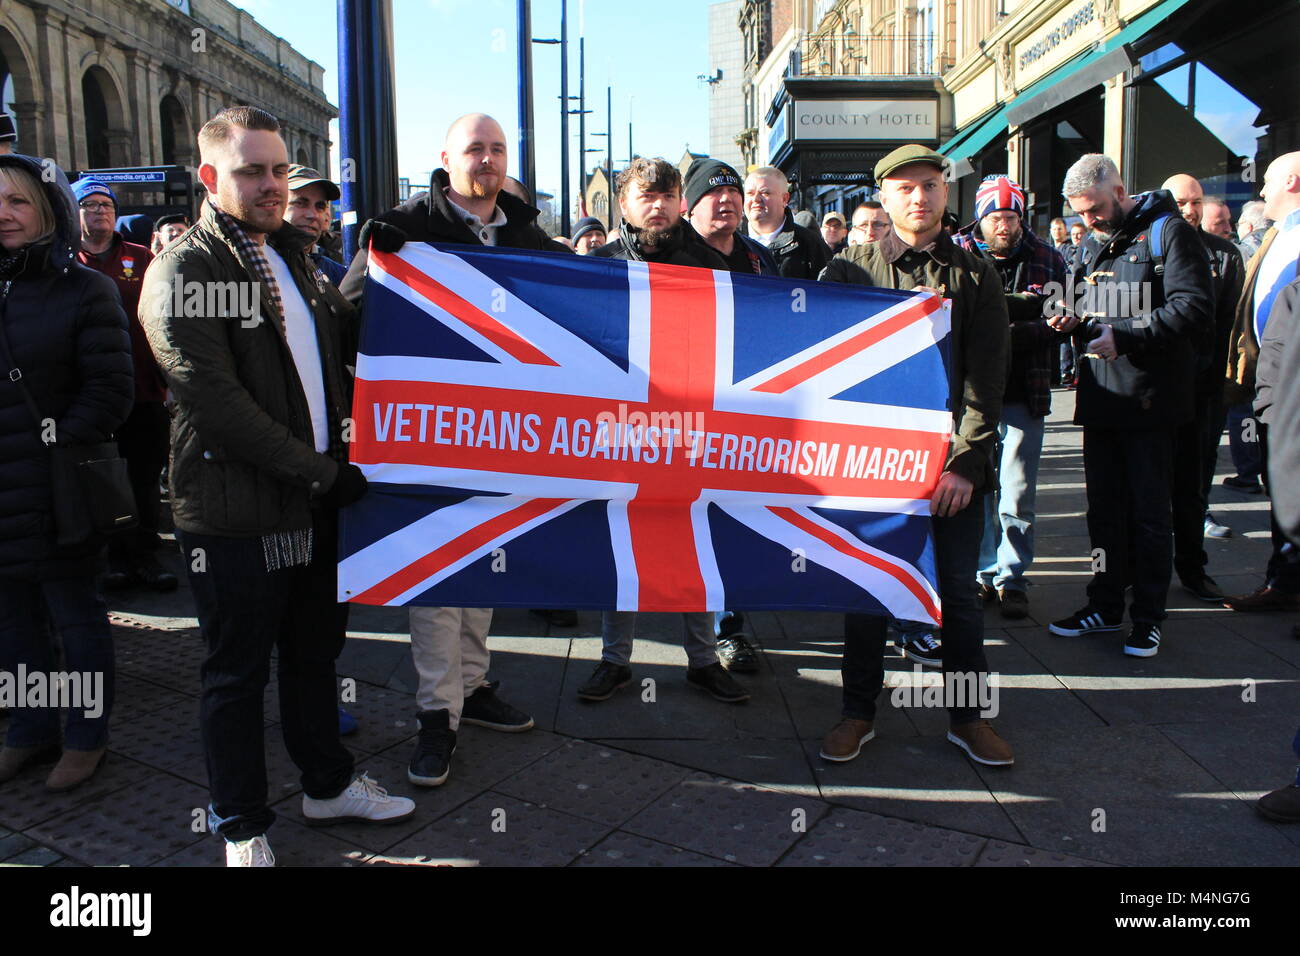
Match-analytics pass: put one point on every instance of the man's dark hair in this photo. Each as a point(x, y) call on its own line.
point(1056, 220)
point(868, 204)
point(217, 131)
point(653, 175)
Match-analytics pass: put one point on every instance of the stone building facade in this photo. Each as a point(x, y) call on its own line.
point(100, 83)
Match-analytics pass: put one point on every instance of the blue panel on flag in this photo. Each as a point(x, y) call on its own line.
point(919, 382)
point(901, 535)
point(546, 281)
point(388, 508)
point(534, 572)
point(758, 575)
point(394, 326)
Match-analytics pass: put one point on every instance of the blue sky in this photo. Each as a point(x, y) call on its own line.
point(458, 56)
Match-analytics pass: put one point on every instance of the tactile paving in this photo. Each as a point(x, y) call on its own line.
point(624, 849)
point(385, 718)
point(591, 781)
point(857, 838)
point(24, 800)
point(291, 845)
point(135, 825)
point(997, 853)
point(739, 822)
point(532, 836)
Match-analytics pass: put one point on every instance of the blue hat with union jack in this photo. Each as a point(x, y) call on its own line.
point(998, 192)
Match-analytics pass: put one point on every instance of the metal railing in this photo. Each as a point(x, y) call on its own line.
point(851, 54)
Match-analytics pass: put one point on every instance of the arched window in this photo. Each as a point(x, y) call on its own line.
point(96, 107)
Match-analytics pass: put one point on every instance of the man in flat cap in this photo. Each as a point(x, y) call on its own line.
point(917, 254)
point(310, 195)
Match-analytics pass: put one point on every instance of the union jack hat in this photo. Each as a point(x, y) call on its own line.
point(998, 192)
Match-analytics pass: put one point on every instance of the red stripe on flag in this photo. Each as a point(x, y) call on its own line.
point(839, 544)
point(499, 335)
point(863, 340)
point(451, 552)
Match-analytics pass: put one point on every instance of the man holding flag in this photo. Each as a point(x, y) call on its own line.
point(465, 204)
point(917, 254)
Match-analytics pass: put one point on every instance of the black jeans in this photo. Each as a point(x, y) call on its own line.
point(956, 556)
point(1129, 519)
point(1194, 453)
point(245, 610)
point(142, 441)
point(1283, 571)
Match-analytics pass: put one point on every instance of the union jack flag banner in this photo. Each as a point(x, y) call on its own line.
point(550, 430)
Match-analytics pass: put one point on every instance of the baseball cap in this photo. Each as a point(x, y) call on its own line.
point(832, 216)
point(300, 176)
point(905, 155)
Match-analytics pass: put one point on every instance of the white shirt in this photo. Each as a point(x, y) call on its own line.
point(1278, 269)
point(300, 330)
point(761, 239)
point(486, 231)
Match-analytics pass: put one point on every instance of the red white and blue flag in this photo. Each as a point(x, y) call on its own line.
point(549, 430)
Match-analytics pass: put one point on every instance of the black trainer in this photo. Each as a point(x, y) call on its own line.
point(484, 708)
point(1086, 621)
point(431, 762)
point(1143, 640)
point(714, 680)
point(604, 680)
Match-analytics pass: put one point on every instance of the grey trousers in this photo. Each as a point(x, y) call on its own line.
point(618, 629)
point(449, 648)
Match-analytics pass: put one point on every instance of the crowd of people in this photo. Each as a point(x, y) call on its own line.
point(1165, 324)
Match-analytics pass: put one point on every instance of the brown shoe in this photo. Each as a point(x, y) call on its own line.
point(845, 740)
point(1265, 599)
point(987, 593)
point(74, 769)
point(982, 743)
point(14, 759)
point(1281, 806)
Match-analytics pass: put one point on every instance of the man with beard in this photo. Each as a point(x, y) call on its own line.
point(799, 251)
point(917, 254)
point(465, 204)
point(1196, 444)
point(259, 473)
point(652, 230)
point(1027, 267)
point(1149, 301)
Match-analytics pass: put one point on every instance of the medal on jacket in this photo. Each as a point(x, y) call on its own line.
point(128, 265)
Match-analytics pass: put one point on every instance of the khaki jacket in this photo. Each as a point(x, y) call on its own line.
point(1243, 347)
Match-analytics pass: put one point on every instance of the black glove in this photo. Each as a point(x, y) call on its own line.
point(349, 486)
point(382, 235)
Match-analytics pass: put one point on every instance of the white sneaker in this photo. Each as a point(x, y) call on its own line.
point(254, 852)
point(364, 801)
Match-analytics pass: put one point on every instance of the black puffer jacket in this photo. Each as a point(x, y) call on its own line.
point(67, 333)
point(1150, 384)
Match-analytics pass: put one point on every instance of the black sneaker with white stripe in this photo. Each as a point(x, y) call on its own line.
point(1143, 640)
point(1087, 621)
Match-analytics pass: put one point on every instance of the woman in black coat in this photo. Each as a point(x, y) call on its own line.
point(65, 337)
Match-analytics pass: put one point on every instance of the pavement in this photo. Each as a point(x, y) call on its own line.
point(1119, 761)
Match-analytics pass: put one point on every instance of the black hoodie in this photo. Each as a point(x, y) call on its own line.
point(683, 247)
point(1150, 384)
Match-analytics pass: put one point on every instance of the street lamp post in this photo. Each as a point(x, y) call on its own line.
point(527, 157)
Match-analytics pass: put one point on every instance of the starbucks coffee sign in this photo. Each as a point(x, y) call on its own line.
point(904, 120)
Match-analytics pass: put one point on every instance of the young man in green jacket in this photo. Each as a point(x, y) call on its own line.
point(917, 254)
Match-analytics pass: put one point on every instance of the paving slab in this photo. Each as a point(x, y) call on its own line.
point(1160, 807)
point(998, 854)
point(593, 781)
point(625, 849)
point(853, 838)
point(779, 764)
point(137, 826)
point(291, 845)
point(24, 801)
point(737, 822)
point(496, 830)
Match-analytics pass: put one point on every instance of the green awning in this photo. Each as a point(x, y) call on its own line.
point(981, 132)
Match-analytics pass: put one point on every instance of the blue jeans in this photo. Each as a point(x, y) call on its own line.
point(79, 614)
point(618, 629)
point(1007, 549)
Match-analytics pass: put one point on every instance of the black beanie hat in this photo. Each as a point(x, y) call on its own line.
point(586, 225)
point(706, 174)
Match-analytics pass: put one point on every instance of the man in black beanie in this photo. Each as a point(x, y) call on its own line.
point(588, 236)
point(714, 203)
